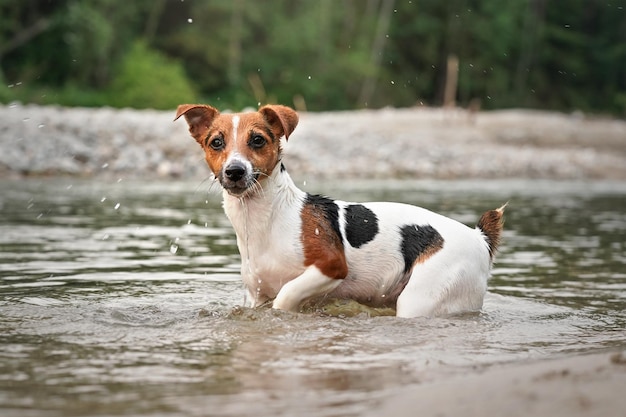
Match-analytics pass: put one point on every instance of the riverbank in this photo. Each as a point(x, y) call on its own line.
point(386, 143)
point(585, 385)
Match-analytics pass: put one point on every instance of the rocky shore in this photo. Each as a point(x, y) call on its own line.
point(386, 143)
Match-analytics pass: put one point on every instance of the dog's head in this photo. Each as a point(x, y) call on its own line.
point(242, 149)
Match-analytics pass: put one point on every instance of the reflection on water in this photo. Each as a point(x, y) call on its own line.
point(122, 299)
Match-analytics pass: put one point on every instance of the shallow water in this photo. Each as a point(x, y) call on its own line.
point(122, 298)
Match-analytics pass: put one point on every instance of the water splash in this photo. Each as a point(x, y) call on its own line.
point(174, 246)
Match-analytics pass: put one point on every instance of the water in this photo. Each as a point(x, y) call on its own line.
point(123, 298)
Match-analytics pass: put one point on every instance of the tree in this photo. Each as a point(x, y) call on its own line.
point(319, 55)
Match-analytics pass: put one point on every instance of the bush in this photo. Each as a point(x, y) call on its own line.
point(148, 79)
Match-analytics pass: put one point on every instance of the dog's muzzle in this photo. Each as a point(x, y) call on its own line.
point(237, 178)
point(235, 172)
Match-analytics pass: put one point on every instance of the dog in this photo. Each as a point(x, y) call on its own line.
point(297, 247)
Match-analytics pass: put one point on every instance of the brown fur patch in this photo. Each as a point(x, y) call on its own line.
point(321, 242)
point(222, 127)
point(264, 159)
point(491, 224)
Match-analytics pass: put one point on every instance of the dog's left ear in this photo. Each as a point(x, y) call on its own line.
point(282, 119)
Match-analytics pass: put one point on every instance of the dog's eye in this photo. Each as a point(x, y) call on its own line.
point(217, 143)
point(257, 142)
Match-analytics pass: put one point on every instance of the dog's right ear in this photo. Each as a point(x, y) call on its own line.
point(282, 119)
point(199, 118)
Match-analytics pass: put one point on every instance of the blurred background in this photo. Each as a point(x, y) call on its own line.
point(316, 55)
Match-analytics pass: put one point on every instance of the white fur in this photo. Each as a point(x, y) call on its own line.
point(310, 283)
point(266, 227)
point(235, 126)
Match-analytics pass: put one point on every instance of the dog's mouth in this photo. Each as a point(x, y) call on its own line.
point(242, 187)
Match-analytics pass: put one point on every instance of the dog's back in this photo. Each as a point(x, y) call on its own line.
point(420, 261)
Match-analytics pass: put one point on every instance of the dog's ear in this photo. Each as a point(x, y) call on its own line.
point(282, 119)
point(199, 118)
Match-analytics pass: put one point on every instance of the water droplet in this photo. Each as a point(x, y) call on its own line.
point(304, 183)
point(189, 221)
point(105, 236)
point(117, 206)
point(309, 77)
point(105, 165)
point(103, 199)
point(190, 20)
point(259, 281)
point(26, 119)
point(173, 249)
point(69, 187)
point(317, 231)
point(40, 126)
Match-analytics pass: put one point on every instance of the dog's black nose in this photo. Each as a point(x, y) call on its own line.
point(234, 172)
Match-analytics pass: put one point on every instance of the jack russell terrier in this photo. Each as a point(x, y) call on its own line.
point(297, 246)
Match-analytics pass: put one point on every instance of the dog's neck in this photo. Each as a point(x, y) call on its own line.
point(253, 214)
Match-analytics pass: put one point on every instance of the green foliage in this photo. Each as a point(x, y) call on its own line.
point(146, 78)
point(322, 55)
point(5, 91)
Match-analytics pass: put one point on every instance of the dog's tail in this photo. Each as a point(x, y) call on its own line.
point(491, 224)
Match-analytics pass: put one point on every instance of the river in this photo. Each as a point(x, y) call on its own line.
point(123, 298)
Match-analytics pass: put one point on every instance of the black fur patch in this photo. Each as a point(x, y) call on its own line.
point(418, 241)
point(328, 207)
point(361, 225)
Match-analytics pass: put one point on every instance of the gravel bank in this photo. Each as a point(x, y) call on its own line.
point(387, 143)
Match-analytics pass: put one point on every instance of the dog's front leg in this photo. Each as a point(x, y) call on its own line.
point(310, 283)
